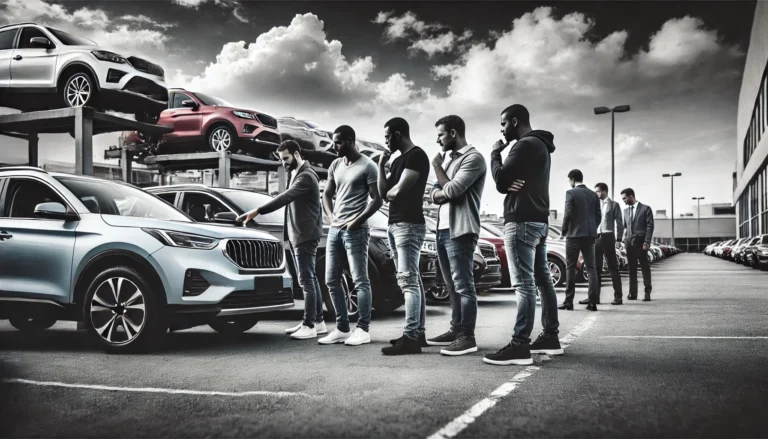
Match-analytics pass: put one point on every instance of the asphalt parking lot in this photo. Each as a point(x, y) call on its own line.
point(691, 363)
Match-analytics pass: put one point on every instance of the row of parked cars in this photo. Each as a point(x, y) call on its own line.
point(751, 251)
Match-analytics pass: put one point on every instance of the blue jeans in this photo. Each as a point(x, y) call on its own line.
point(405, 241)
point(351, 245)
point(455, 257)
point(526, 246)
point(305, 255)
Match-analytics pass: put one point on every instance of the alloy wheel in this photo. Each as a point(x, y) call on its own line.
point(221, 140)
point(118, 310)
point(555, 272)
point(350, 294)
point(78, 91)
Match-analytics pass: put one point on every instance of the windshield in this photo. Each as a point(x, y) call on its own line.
point(309, 124)
point(247, 200)
point(109, 198)
point(210, 100)
point(70, 40)
point(765, 240)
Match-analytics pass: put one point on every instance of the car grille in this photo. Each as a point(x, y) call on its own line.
point(255, 254)
point(268, 136)
point(145, 66)
point(255, 299)
point(267, 120)
point(487, 251)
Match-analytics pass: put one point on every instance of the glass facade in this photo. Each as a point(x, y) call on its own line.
point(753, 205)
point(759, 120)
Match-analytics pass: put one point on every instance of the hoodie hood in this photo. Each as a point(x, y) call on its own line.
point(544, 136)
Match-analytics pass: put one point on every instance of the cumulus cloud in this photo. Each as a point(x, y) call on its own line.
point(404, 26)
point(143, 19)
point(237, 9)
point(424, 37)
point(434, 45)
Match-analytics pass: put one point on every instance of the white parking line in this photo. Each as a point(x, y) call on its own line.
point(154, 389)
point(467, 418)
point(688, 337)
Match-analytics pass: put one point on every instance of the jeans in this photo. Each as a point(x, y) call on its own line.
point(351, 245)
point(455, 258)
point(305, 255)
point(526, 247)
point(405, 241)
point(586, 246)
point(605, 246)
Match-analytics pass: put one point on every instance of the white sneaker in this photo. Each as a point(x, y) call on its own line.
point(320, 328)
point(359, 336)
point(293, 329)
point(304, 333)
point(335, 336)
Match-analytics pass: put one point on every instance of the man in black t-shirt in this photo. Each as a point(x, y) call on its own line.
point(404, 188)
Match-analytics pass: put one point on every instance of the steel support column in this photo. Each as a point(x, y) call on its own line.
point(224, 167)
point(83, 141)
point(34, 156)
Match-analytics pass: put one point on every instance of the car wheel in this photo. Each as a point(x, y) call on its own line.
point(32, 323)
point(221, 138)
point(123, 312)
point(557, 271)
point(234, 325)
point(79, 90)
point(439, 293)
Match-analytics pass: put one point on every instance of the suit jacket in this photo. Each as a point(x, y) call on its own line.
point(582, 213)
point(303, 216)
point(642, 225)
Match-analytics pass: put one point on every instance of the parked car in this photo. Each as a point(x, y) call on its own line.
point(61, 70)
point(737, 253)
point(307, 134)
point(224, 205)
point(202, 122)
point(756, 253)
point(126, 263)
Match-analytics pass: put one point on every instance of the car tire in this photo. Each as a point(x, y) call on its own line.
point(221, 138)
point(136, 307)
point(79, 90)
point(556, 265)
point(234, 325)
point(37, 323)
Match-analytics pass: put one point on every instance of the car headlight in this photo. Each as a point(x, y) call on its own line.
point(184, 240)
point(429, 247)
point(244, 115)
point(764, 251)
point(103, 55)
point(321, 134)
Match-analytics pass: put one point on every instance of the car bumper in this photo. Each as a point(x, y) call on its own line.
point(130, 90)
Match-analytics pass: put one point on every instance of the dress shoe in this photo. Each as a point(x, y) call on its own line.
point(591, 307)
point(616, 302)
point(647, 298)
point(566, 306)
point(631, 297)
point(586, 302)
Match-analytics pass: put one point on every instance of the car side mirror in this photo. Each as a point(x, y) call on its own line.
point(55, 211)
point(225, 218)
point(45, 43)
point(189, 104)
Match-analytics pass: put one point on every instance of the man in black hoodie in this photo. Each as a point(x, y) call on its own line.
point(524, 177)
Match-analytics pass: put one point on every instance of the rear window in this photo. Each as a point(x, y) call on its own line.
point(6, 39)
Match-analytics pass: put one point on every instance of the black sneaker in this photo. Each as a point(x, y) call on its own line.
point(547, 344)
point(444, 340)
point(517, 354)
point(422, 340)
point(404, 346)
point(464, 344)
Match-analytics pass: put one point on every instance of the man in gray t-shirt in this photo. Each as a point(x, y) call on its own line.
point(352, 178)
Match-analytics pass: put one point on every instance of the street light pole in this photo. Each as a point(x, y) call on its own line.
point(698, 222)
point(672, 180)
point(616, 109)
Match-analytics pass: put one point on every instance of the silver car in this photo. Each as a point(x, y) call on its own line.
point(127, 263)
point(64, 70)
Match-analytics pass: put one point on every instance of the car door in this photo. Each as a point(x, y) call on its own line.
point(186, 122)
point(35, 253)
point(7, 37)
point(33, 67)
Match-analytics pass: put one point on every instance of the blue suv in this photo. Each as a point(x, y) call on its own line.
point(126, 263)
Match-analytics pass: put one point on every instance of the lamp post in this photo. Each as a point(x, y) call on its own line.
point(698, 222)
point(604, 110)
point(672, 179)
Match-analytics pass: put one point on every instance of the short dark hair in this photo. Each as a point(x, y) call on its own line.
point(399, 124)
point(628, 192)
point(453, 122)
point(602, 186)
point(346, 132)
point(576, 175)
point(518, 111)
point(291, 146)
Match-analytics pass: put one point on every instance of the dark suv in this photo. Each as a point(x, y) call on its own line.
point(223, 205)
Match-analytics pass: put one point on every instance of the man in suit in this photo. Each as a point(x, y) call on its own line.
point(580, 221)
point(606, 244)
point(638, 234)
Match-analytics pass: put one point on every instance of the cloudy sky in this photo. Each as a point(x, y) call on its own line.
point(360, 63)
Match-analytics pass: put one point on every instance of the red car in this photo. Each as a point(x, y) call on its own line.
point(205, 123)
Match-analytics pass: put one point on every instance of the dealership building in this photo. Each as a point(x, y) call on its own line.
point(749, 195)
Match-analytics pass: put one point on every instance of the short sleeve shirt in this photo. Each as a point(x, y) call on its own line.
point(408, 206)
point(352, 183)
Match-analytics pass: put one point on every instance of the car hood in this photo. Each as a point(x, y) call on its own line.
point(212, 231)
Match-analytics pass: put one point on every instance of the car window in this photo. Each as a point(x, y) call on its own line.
point(202, 207)
point(248, 200)
point(27, 34)
point(24, 194)
point(765, 240)
point(288, 123)
point(170, 197)
point(212, 100)
point(179, 98)
point(6, 39)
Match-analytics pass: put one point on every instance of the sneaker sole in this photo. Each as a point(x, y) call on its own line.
point(439, 343)
point(548, 351)
point(322, 332)
point(520, 362)
point(306, 337)
point(357, 343)
point(457, 353)
point(342, 340)
point(291, 331)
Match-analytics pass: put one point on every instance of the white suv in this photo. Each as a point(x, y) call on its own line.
point(63, 70)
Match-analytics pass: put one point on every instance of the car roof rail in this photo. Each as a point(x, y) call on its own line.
point(19, 24)
point(22, 168)
point(180, 185)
